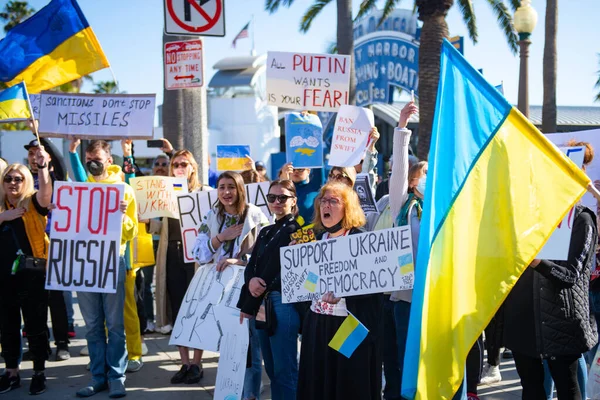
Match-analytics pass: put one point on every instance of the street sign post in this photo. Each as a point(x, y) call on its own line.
point(195, 17)
point(184, 66)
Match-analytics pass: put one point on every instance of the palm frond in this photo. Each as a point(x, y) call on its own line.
point(468, 16)
point(389, 6)
point(331, 48)
point(311, 14)
point(597, 86)
point(273, 5)
point(506, 23)
point(514, 4)
point(365, 7)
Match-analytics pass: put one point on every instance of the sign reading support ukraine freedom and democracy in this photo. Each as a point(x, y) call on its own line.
point(85, 237)
point(372, 262)
point(386, 56)
point(304, 140)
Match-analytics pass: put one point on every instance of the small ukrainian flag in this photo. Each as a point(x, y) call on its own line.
point(177, 187)
point(349, 336)
point(13, 103)
point(311, 282)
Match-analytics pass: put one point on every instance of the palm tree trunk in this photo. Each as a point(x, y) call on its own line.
point(433, 32)
point(345, 40)
point(549, 70)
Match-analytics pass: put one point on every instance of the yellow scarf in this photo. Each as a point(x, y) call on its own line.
point(35, 228)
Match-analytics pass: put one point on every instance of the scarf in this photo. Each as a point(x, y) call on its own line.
point(35, 228)
point(412, 200)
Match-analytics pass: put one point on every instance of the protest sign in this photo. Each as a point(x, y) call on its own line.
point(97, 116)
point(350, 136)
point(231, 157)
point(372, 262)
point(156, 196)
point(299, 81)
point(557, 246)
point(304, 140)
point(362, 187)
point(194, 206)
point(85, 237)
point(231, 370)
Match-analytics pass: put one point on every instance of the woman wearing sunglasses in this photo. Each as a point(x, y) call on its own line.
point(226, 237)
point(324, 373)
point(345, 175)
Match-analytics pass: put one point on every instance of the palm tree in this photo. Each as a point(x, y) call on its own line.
point(598, 87)
point(14, 13)
point(345, 35)
point(106, 87)
point(549, 69)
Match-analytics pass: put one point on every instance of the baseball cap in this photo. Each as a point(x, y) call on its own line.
point(33, 143)
point(259, 164)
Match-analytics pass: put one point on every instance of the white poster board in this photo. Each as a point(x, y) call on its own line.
point(156, 196)
point(194, 206)
point(97, 116)
point(231, 370)
point(557, 246)
point(350, 136)
point(85, 237)
point(304, 81)
point(372, 262)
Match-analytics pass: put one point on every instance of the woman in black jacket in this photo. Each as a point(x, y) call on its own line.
point(263, 278)
point(547, 315)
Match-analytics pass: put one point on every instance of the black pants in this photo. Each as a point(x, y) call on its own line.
point(24, 292)
point(179, 277)
point(474, 365)
point(563, 370)
point(139, 300)
point(58, 314)
point(493, 337)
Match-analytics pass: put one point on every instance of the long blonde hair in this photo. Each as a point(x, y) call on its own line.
point(27, 191)
point(193, 181)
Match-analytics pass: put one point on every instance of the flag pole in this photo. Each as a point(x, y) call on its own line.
point(33, 122)
point(253, 51)
point(114, 78)
point(592, 189)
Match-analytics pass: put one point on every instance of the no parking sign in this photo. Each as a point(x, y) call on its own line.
point(195, 17)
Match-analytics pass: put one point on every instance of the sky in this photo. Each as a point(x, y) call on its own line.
point(130, 31)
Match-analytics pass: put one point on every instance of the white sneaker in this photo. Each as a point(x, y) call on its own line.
point(144, 349)
point(490, 375)
point(84, 351)
point(150, 327)
point(165, 330)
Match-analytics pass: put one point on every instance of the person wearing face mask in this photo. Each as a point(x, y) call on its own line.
point(226, 237)
point(263, 278)
point(108, 354)
point(324, 373)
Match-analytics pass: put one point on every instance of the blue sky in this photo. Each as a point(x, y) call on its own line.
point(130, 32)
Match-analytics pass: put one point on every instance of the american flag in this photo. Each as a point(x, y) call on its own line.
point(243, 34)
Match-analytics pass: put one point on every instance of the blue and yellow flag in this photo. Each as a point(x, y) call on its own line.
point(496, 190)
point(349, 336)
point(232, 157)
point(54, 46)
point(13, 103)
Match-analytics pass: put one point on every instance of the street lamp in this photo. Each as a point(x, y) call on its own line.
point(524, 20)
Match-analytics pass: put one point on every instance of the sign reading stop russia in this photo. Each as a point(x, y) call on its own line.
point(183, 64)
point(195, 17)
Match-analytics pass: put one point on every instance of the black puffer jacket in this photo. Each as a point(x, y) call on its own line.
point(547, 312)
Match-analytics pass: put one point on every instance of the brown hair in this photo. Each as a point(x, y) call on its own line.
point(589, 150)
point(416, 171)
point(96, 145)
point(350, 172)
point(354, 217)
point(251, 176)
point(193, 182)
point(288, 185)
point(240, 205)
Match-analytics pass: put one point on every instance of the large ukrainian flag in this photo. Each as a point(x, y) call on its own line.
point(496, 190)
point(54, 46)
point(13, 103)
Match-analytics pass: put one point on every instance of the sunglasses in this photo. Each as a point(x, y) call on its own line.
point(182, 164)
point(297, 170)
point(11, 179)
point(338, 177)
point(281, 198)
point(161, 164)
point(331, 201)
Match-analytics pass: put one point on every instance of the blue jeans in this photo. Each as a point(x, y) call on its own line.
point(69, 304)
point(391, 368)
point(280, 351)
point(582, 377)
point(100, 310)
point(253, 376)
point(595, 309)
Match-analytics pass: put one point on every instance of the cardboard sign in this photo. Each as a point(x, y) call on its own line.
point(362, 187)
point(372, 262)
point(304, 140)
point(557, 246)
point(156, 196)
point(184, 67)
point(97, 116)
point(85, 237)
point(302, 81)
point(231, 157)
point(350, 136)
point(194, 206)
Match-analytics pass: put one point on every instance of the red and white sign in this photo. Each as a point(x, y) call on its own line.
point(195, 17)
point(184, 67)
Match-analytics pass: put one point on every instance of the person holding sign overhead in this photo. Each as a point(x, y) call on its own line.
point(227, 237)
point(23, 256)
point(263, 281)
point(324, 372)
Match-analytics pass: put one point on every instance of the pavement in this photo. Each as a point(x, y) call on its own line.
point(152, 382)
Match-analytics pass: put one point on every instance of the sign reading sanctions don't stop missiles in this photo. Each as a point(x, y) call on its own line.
point(372, 262)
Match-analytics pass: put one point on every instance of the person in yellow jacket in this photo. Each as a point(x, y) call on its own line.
point(108, 354)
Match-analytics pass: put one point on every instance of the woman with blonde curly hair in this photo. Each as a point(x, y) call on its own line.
point(325, 373)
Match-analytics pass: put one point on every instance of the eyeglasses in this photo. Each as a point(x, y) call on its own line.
point(182, 164)
point(338, 177)
point(332, 201)
point(281, 198)
point(161, 164)
point(11, 179)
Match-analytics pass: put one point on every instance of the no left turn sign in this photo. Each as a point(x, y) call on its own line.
point(195, 17)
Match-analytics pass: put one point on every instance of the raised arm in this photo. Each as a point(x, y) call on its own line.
point(79, 174)
point(44, 194)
